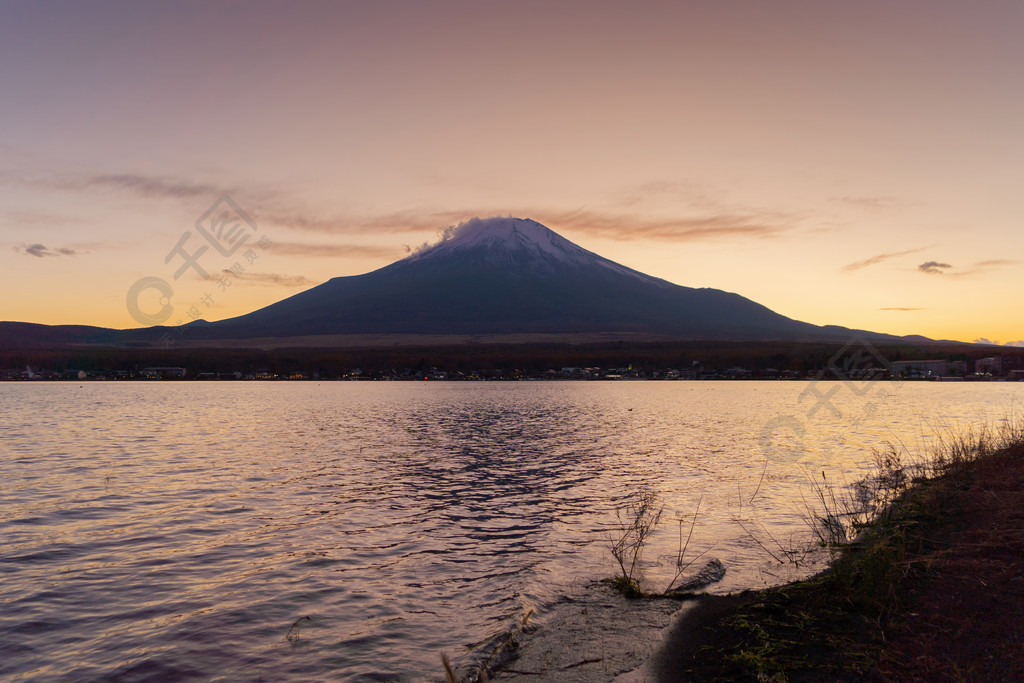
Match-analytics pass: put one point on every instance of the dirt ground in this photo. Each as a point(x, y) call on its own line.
point(964, 618)
point(954, 608)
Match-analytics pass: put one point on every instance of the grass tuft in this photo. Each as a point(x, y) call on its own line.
point(636, 522)
point(905, 541)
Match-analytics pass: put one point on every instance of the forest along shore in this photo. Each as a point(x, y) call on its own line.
point(932, 587)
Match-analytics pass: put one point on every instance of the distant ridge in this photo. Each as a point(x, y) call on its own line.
point(487, 278)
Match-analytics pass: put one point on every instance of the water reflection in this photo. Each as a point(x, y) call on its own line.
point(178, 530)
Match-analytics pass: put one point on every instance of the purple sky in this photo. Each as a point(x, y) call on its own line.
point(813, 156)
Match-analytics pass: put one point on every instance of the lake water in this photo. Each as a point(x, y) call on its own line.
point(178, 530)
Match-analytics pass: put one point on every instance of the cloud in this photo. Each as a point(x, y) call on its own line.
point(616, 226)
point(153, 186)
point(269, 206)
point(144, 186)
point(265, 205)
point(692, 194)
point(397, 222)
point(39, 218)
point(1015, 343)
point(624, 227)
point(974, 269)
point(992, 263)
point(272, 279)
point(40, 251)
point(857, 265)
point(874, 203)
point(277, 213)
point(333, 250)
point(934, 267)
point(900, 308)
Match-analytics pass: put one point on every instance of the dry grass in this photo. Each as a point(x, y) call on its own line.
point(637, 520)
point(925, 582)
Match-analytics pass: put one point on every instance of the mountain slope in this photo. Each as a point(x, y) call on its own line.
point(511, 276)
point(494, 278)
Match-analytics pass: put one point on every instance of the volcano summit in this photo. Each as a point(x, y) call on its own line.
point(492, 279)
point(513, 276)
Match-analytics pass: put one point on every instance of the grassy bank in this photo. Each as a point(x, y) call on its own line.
point(926, 582)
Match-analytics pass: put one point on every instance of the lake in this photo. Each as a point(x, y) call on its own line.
point(175, 530)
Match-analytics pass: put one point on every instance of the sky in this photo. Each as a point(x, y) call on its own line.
point(857, 164)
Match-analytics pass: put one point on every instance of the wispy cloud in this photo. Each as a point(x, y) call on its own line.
point(900, 308)
point(41, 251)
point(617, 226)
point(858, 265)
point(38, 219)
point(873, 202)
point(934, 267)
point(984, 266)
point(153, 186)
point(266, 205)
point(333, 250)
point(937, 268)
point(137, 184)
point(270, 206)
point(993, 263)
point(276, 212)
point(624, 227)
point(273, 279)
point(691, 194)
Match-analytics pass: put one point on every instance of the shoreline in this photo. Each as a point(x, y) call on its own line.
point(594, 635)
point(931, 590)
point(931, 587)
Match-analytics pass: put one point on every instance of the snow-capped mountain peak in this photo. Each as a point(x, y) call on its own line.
point(518, 240)
point(510, 276)
point(502, 233)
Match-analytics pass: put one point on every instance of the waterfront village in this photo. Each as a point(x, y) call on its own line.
point(994, 368)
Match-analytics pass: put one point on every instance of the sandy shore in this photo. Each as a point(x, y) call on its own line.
point(593, 636)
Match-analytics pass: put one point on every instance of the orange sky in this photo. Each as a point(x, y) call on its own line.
point(842, 163)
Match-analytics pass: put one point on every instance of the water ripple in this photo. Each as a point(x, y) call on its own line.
point(178, 530)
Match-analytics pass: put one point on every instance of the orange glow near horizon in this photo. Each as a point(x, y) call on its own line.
point(855, 165)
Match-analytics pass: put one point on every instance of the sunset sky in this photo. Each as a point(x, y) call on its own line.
point(858, 164)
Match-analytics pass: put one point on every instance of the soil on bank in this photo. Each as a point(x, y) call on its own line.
point(935, 591)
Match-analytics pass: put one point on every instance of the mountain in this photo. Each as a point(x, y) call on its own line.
point(492, 278)
point(504, 276)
